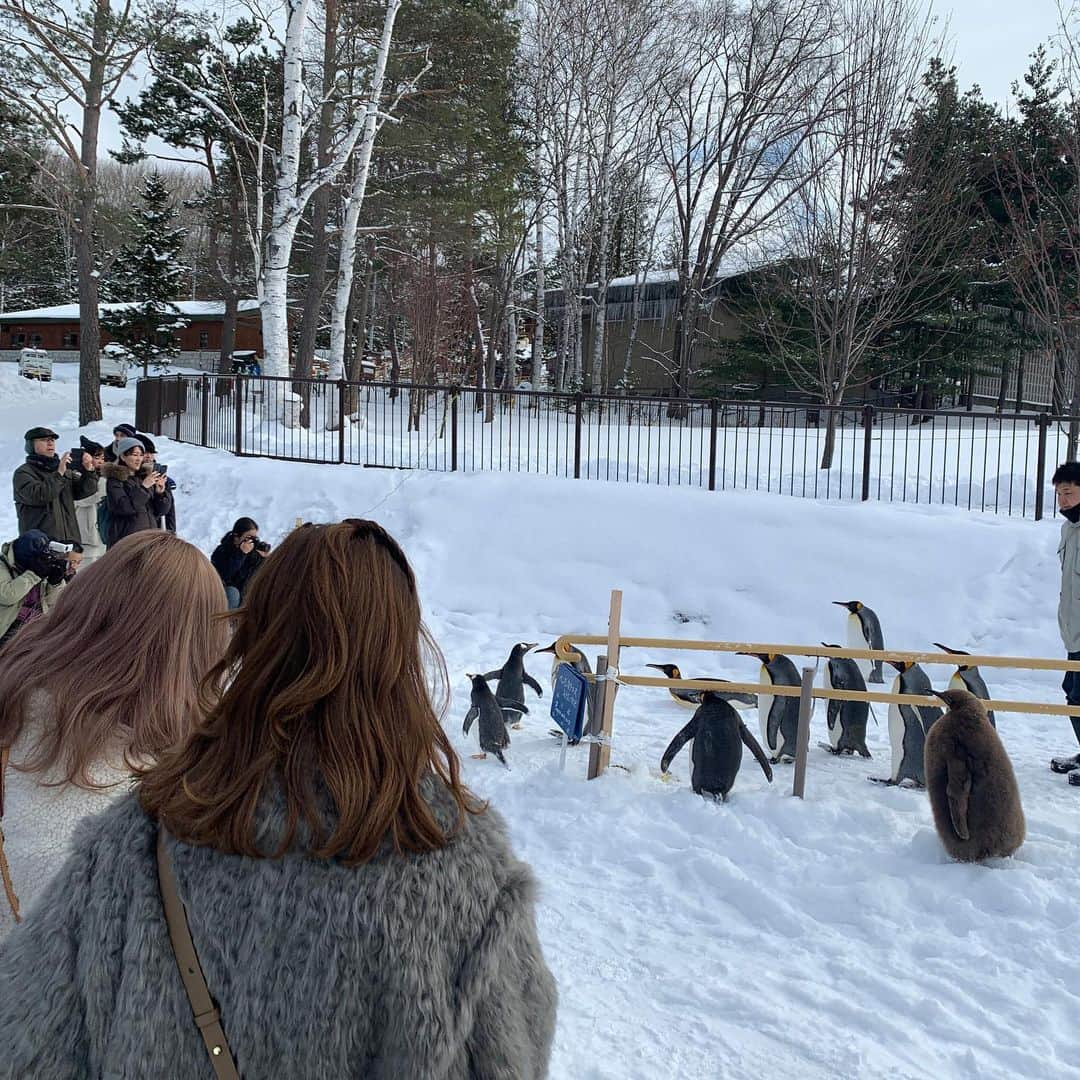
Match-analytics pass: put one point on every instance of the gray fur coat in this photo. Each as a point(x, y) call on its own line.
point(415, 966)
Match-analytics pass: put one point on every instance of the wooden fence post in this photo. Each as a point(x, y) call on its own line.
point(600, 753)
point(802, 738)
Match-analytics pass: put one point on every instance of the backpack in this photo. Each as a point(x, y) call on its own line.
point(103, 520)
point(5, 873)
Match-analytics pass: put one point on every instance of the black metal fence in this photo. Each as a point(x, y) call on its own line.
point(975, 460)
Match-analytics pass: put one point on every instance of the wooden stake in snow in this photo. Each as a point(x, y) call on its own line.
point(802, 736)
point(600, 753)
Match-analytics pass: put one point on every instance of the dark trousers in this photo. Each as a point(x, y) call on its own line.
point(1071, 685)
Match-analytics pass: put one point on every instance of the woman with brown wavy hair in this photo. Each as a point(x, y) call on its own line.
point(99, 686)
point(354, 910)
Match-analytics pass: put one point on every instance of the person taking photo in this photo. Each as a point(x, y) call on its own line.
point(239, 554)
point(46, 488)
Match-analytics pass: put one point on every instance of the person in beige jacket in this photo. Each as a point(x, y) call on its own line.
point(86, 510)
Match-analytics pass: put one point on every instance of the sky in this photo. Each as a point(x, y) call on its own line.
point(992, 40)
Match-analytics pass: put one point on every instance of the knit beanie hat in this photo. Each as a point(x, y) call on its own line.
point(90, 446)
point(124, 431)
point(124, 445)
point(29, 548)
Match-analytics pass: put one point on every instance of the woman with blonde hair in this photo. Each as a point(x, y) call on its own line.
point(338, 903)
point(95, 689)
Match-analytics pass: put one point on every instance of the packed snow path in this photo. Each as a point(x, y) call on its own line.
point(767, 937)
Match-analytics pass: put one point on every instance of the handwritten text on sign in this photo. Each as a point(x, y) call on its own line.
point(568, 701)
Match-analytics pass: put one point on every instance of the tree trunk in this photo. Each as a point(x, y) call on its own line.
point(830, 434)
point(539, 374)
point(303, 365)
point(230, 282)
point(86, 198)
point(354, 201)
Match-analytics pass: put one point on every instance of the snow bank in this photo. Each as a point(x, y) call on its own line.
point(767, 937)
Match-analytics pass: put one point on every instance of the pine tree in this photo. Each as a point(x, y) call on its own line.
point(147, 276)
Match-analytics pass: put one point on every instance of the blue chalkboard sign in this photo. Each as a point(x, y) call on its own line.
point(568, 701)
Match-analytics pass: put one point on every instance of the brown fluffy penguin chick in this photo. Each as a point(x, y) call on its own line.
point(971, 783)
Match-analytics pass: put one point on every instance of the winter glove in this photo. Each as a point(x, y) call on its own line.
point(56, 573)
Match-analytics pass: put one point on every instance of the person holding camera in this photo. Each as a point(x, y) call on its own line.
point(167, 521)
point(86, 510)
point(34, 570)
point(120, 432)
point(135, 498)
point(237, 557)
point(46, 487)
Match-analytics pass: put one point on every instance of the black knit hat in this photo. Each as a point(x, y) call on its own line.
point(90, 446)
point(124, 431)
point(148, 443)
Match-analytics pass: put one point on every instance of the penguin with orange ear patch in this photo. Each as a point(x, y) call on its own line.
point(777, 716)
point(908, 725)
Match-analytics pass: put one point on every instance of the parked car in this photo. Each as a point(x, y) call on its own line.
point(115, 361)
point(35, 364)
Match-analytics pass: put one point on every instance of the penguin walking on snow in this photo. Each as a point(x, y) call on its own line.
point(778, 716)
point(486, 708)
point(968, 678)
point(846, 719)
point(513, 678)
point(719, 736)
point(908, 725)
point(691, 699)
point(864, 632)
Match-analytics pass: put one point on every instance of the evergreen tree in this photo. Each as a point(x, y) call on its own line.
point(147, 276)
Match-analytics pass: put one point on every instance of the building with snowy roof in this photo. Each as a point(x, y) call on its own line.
point(57, 329)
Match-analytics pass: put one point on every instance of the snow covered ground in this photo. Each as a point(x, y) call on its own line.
point(768, 937)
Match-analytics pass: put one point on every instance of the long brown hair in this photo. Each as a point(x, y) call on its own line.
point(328, 697)
point(120, 656)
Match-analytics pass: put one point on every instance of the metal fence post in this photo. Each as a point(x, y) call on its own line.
point(713, 413)
point(159, 384)
point(1040, 465)
point(179, 404)
point(868, 430)
point(577, 435)
point(204, 425)
point(453, 428)
point(341, 421)
point(239, 403)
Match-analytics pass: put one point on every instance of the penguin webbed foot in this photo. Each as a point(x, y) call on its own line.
point(888, 781)
point(829, 749)
point(478, 757)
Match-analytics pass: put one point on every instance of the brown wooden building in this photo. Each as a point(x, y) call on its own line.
point(57, 328)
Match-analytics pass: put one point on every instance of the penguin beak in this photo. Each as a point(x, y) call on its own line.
point(840, 603)
point(530, 645)
point(550, 648)
point(656, 667)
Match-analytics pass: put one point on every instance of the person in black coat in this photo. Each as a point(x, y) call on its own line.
point(237, 557)
point(168, 518)
point(46, 487)
point(135, 499)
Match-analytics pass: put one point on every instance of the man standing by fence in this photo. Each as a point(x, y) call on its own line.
point(1066, 482)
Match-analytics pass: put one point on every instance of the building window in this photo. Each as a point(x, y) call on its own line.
point(18, 340)
point(35, 341)
point(204, 339)
point(70, 340)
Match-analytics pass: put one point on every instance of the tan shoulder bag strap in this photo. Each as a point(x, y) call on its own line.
point(207, 1017)
point(5, 872)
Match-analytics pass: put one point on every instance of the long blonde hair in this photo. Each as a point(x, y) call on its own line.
point(120, 657)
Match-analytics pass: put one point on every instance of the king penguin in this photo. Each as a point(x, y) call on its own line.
point(908, 725)
point(778, 716)
point(969, 679)
point(489, 711)
point(691, 699)
point(719, 736)
point(513, 678)
point(864, 632)
point(846, 719)
point(580, 663)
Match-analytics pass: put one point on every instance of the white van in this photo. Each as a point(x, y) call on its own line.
point(114, 362)
point(35, 364)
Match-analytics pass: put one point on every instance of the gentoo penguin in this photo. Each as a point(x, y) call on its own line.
point(971, 783)
point(846, 719)
point(719, 736)
point(485, 707)
point(968, 678)
point(778, 716)
point(864, 632)
point(513, 678)
point(580, 663)
point(691, 699)
point(908, 725)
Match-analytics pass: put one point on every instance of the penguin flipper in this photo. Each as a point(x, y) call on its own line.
point(512, 706)
point(678, 743)
point(529, 681)
point(497, 674)
point(958, 790)
point(754, 747)
point(470, 716)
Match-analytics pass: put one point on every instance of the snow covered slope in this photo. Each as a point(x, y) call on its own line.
point(767, 937)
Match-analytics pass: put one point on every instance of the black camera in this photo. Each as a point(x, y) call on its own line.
point(159, 468)
point(262, 545)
